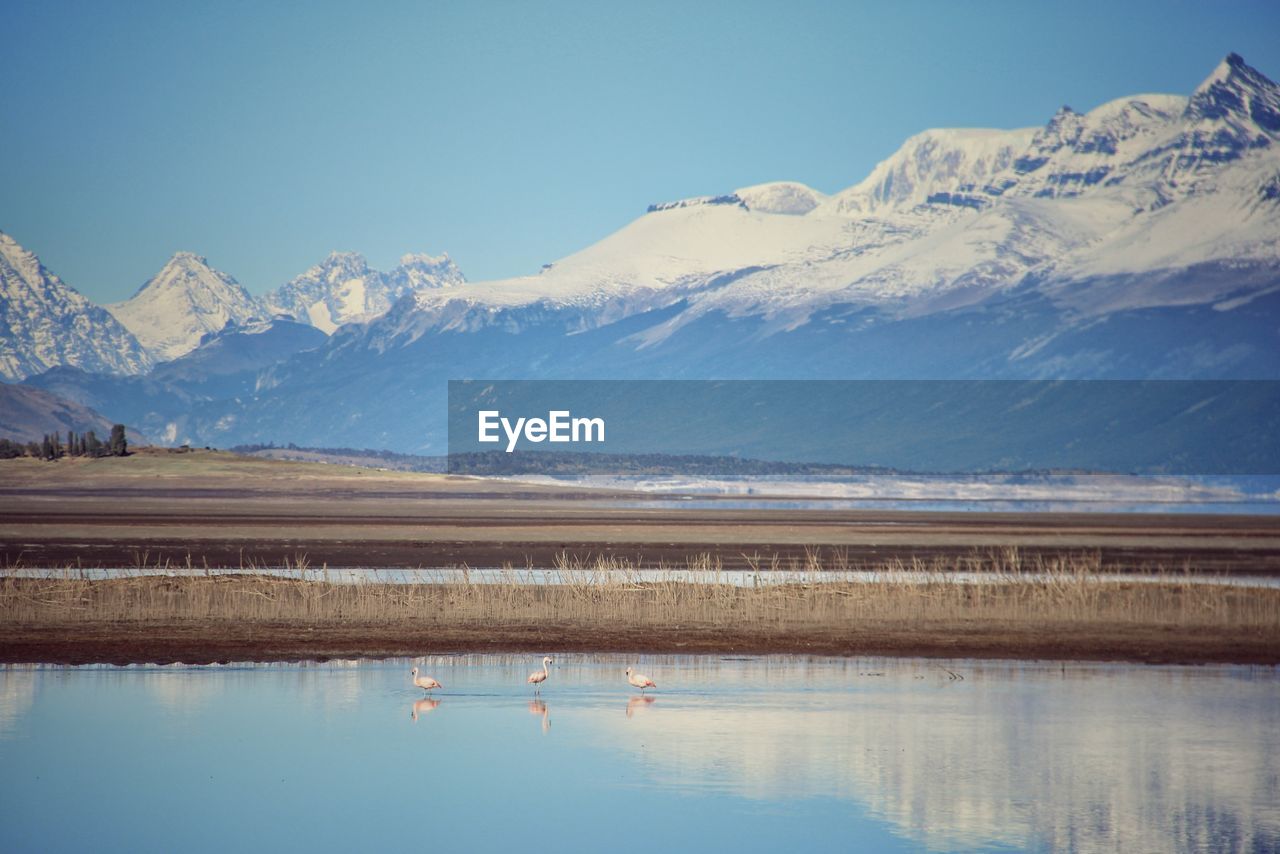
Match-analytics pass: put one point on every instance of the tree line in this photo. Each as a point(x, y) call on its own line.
point(51, 447)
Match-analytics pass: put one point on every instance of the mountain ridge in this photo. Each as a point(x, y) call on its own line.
point(343, 288)
point(46, 322)
point(1138, 239)
point(186, 300)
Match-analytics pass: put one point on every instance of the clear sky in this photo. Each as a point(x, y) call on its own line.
point(265, 134)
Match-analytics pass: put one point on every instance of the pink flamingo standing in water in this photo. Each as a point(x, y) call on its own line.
point(537, 677)
point(426, 683)
point(639, 680)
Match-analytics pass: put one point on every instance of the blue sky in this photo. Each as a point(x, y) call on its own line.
point(264, 135)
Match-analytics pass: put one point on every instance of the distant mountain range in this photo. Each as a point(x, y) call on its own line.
point(343, 289)
point(47, 324)
point(1140, 239)
point(44, 322)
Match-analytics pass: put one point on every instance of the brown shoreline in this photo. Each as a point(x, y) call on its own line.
point(207, 643)
point(155, 509)
point(219, 510)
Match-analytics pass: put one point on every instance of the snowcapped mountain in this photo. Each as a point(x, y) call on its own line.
point(189, 308)
point(44, 322)
point(1152, 183)
point(344, 289)
point(182, 303)
point(943, 165)
point(1138, 239)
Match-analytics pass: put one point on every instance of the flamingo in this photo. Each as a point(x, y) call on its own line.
point(426, 683)
point(537, 678)
point(639, 680)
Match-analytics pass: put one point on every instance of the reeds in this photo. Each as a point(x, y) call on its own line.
point(1058, 594)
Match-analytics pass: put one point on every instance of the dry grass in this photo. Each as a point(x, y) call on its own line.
point(1057, 595)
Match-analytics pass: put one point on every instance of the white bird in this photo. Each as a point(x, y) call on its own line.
point(426, 683)
point(537, 677)
point(639, 680)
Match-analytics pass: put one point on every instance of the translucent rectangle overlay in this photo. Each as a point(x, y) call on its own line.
point(818, 427)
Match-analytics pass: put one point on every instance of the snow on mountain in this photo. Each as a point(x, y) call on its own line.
point(674, 251)
point(781, 197)
point(45, 323)
point(344, 289)
point(182, 303)
point(1233, 218)
point(1236, 109)
point(948, 165)
point(421, 271)
point(1076, 152)
point(1138, 239)
point(1146, 183)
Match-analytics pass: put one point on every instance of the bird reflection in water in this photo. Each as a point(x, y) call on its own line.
point(639, 703)
point(421, 707)
point(537, 707)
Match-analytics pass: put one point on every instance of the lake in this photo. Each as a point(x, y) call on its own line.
point(759, 754)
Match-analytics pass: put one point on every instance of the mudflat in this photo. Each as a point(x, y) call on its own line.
point(219, 510)
point(163, 509)
point(206, 642)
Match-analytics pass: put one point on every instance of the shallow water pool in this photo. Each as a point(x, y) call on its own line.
point(757, 754)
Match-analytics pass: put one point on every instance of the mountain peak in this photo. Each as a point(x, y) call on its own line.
point(1237, 90)
point(345, 259)
point(186, 300)
point(48, 323)
point(1232, 65)
point(187, 258)
point(781, 197)
point(344, 288)
point(939, 161)
point(423, 259)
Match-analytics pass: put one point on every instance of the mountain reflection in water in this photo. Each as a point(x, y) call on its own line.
point(899, 754)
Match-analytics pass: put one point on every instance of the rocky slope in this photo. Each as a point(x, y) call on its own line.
point(44, 322)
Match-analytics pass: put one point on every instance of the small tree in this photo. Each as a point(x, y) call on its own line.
point(119, 444)
point(92, 446)
point(46, 448)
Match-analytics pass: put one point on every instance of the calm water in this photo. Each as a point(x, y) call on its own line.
point(764, 754)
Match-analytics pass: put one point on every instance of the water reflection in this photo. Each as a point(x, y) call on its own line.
point(1096, 760)
point(814, 751)
point(639, 704)
point(538, 707)
point(17, 693)
point(422, 707)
